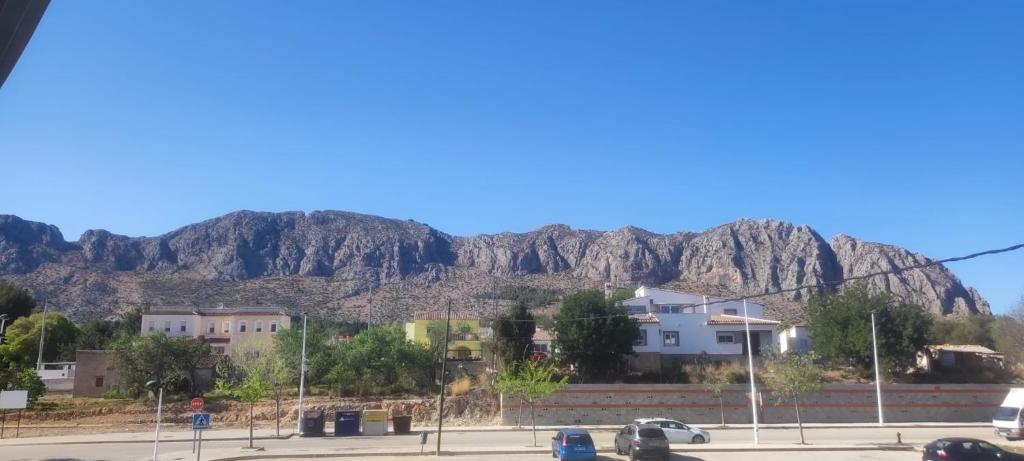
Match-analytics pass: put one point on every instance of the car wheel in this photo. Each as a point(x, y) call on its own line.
point(697, 439)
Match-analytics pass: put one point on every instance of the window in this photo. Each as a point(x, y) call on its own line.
point(218, 350)
point(670, 309)
point(671, 338)
point(731, 312)
point(259, 326)
point(152, 325)
point(273, 327)
point(182, 326)
point(804, 343)
point(167, 326)
point(642, 340)
point(241, 326)
point(226, 327)
point(99, 381)
point(210, 328)
point(726, 338)
point(635, 309)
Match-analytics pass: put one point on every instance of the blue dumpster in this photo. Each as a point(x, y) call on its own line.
point(346, 422)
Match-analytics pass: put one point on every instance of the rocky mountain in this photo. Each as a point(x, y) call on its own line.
point(354, 265)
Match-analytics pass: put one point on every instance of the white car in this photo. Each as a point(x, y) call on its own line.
point(678, 432)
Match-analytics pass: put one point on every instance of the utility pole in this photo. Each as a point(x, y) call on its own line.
point(42, 337)
point(878, 374)
point(444, 363)
point(302, 374)
point(750, 365)
point(3, 321)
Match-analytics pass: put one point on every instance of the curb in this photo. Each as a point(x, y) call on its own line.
point(101, 442)
point(906, 447)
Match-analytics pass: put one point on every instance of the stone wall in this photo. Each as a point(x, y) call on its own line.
point(836, 403)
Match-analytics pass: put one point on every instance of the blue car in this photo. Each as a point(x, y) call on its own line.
point(573, 445)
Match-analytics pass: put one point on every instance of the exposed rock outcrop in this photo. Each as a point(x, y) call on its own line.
point(331, 259)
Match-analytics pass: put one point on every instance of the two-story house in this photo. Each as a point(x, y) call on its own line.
point(220, 327)
point(464, 333)
point(677, 327)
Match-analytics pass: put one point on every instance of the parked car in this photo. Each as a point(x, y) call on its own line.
point(571, 444)
point(678, 432)
point(963, 449)
point(642, 441)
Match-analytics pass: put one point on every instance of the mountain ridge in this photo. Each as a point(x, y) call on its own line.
point(347, 264)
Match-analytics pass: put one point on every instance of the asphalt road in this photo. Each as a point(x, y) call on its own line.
point(136, 451)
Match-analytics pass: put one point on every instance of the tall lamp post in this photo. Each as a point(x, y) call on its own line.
point(750, 365)
point(302, 374)
point(159, 407)
point(878, 373)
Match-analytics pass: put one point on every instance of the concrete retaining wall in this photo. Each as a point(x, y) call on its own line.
point(837, 403)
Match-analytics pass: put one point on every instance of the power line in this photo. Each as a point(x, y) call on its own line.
point(828, 282)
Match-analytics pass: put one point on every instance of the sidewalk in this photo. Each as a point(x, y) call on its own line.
point(166, 435)
point(238, 454)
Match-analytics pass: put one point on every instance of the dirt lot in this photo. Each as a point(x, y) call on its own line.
point(62, 415)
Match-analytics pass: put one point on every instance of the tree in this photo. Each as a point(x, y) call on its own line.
point(841, 327)
point(288, 344)
point(976, 329)
point(530, 381)
point(380, 361)
point(250, 389)
point(715, 380)
point(15, 301)
point(1008, 334)
point(792, 376)
point(21, 340)
point(172, 362)
point(98, 334)
point(254, 355)
point(513, 333)
point(23, 379)
point(620, 295)
point(592, 334)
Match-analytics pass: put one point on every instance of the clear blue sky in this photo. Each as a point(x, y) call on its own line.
point(897, 122)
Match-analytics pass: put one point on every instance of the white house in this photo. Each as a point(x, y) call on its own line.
point(795, 339)
point(678, 327)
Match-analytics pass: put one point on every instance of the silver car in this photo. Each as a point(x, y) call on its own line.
point(678, 432)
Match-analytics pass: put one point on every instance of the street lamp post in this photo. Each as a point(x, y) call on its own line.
point(159, 408)
point(878, 374)
point(302, 375)
point(750, 364)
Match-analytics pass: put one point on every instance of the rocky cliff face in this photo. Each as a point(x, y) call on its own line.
point(331, 259)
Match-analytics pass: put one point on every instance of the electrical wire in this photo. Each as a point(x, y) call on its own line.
point(822, 283)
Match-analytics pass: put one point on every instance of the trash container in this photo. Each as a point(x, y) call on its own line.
point(346, 422)
point(375, 422)
point(402, 424)
point(312, 423)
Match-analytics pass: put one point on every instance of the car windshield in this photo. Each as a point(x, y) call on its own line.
point(580, 439)
point(1006, 414)
point(652, 433)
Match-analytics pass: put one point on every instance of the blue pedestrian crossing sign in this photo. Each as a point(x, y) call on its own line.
point(200, 421)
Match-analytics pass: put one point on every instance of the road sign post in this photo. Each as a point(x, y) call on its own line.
point(200, 423)
point(196, 405)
